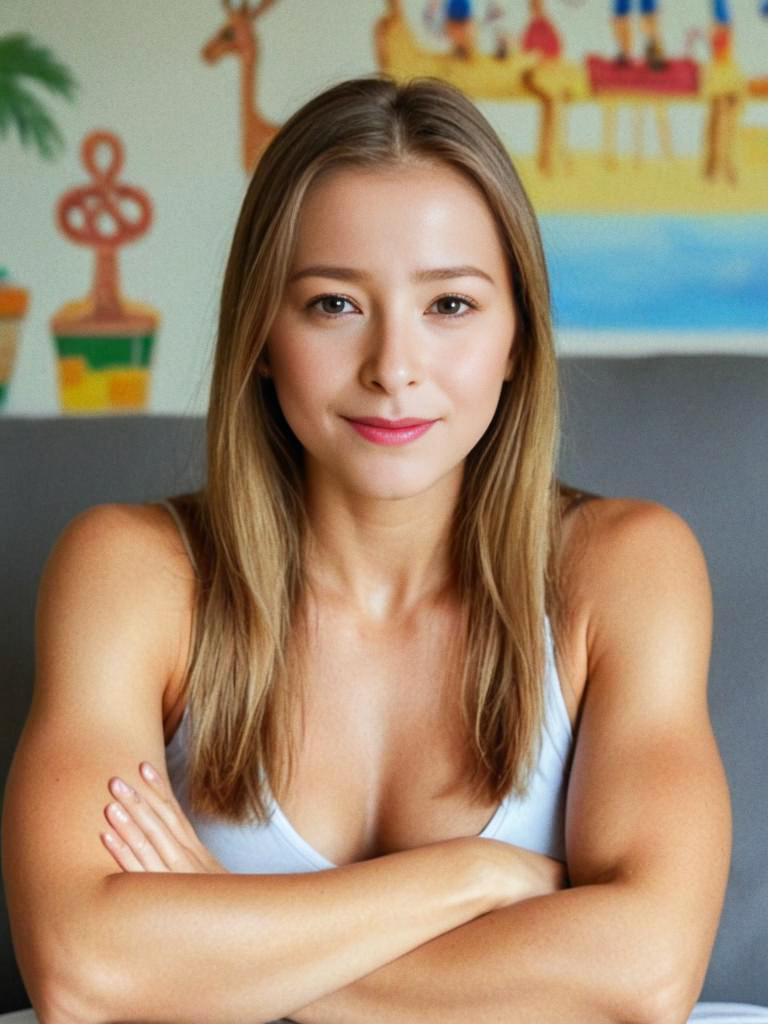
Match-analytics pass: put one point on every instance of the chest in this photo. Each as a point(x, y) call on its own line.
point(382, 755)
point(383, 760)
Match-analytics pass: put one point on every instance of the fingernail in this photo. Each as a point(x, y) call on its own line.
point(121, 788)
point(118, 812)
point(149, 772)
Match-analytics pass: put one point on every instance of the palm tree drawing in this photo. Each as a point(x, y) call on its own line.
point(22, 61)
point(21, 58)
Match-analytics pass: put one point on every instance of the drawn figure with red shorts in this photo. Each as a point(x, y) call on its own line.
point(623, 28)
point(721, 31)
point(725, 86)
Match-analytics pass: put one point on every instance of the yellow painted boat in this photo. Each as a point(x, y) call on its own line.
point(481, 75)
point(561, 79)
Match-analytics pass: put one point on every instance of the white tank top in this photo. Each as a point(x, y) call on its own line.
point(275, 847)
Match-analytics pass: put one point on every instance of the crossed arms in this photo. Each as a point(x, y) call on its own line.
point(435, 934)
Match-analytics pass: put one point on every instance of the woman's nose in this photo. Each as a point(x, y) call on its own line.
point(393, 357)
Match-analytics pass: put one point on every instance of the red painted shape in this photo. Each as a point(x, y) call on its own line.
point(679, 77)
point(721, 42)
point(541, 35)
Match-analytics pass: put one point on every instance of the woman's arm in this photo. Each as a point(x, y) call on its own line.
point(94, 945)
point(157, 837)
point(648, 827)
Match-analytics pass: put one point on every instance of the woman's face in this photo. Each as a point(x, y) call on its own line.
point(398, 305)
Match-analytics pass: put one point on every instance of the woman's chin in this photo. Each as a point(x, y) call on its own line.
point(378, 478)
point(395, 485)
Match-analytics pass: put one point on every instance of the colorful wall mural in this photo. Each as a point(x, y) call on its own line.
point(22, 62)
point(104, 341)
point(640, 129)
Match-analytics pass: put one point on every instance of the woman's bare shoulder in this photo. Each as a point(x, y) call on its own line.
point(599, 524)
point(611, 544)
point(616, 553)
point(132, 557)
point(141, 535)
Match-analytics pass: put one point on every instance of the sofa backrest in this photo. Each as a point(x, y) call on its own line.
point(688, 431)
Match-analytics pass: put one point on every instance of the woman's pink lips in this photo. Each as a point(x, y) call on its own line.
point(372, 431)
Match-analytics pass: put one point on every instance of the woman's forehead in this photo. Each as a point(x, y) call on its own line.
point(423, 210)
point(400, 177)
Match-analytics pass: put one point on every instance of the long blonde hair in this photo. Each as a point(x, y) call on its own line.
point(248, 523)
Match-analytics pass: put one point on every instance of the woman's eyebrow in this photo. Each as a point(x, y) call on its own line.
point(350, 274)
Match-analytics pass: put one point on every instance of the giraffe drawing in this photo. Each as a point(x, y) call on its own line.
point(237, 36)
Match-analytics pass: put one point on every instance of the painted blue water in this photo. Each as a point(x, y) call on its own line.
point(645, 273)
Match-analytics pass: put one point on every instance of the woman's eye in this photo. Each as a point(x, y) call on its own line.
point(329, 305)
point(448, 305)
point(451, 305)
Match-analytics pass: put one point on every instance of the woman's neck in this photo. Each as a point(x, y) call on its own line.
point(380, 560)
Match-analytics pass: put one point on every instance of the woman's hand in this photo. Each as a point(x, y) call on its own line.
point(150, 830)
point(523, 873)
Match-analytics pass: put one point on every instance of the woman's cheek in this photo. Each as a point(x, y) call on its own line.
point(475, 383)
point(301, 380)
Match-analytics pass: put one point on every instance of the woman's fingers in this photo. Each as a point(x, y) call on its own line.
point(137, 831)
point(121, 851)
point(153, 842)
point(161, 797)
point(154, 828)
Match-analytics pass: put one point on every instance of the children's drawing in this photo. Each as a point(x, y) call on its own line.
point(13, 306)
point(622, 24)
point(662, 131)
point(104, 342)
point(479, 74)
point(23, 60)
point(642, 79)
point(238, 37)
point(726, 88)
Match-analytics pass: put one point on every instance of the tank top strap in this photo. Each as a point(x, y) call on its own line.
point(182, 530)
point(558, 720)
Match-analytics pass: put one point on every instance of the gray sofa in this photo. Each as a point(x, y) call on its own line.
point(688, 431)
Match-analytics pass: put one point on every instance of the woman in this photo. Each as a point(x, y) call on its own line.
point(388, 654)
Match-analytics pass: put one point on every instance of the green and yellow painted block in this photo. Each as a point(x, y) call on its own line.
point(104, 362)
